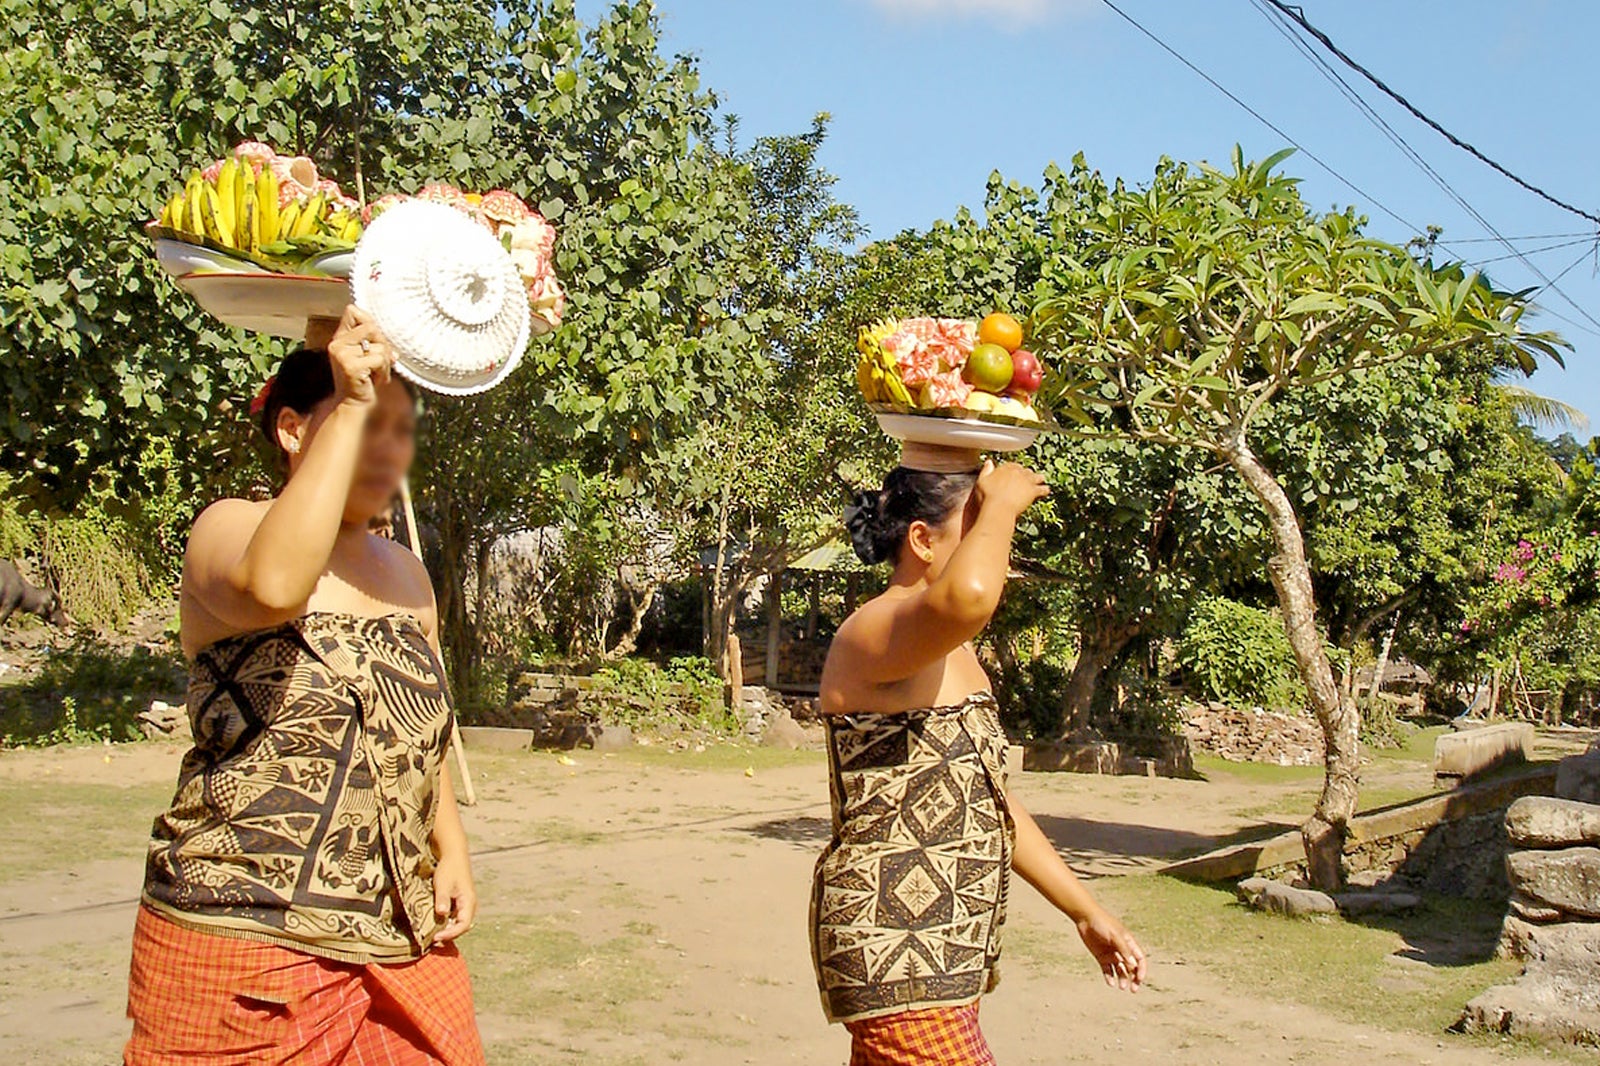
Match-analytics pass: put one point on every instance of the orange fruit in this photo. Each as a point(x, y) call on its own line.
point(1000, 328)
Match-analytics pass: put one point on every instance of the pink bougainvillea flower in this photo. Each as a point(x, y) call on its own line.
point(948, 390)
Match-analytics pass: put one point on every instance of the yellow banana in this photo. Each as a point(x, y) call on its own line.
point(211, 214)
point(267, 206)
point(250, 221)
point(227, 193)
point(865, 381)
point(897, 390)
point(310, 215)
point(189, 217)
point(352, 229)
point(286, 221)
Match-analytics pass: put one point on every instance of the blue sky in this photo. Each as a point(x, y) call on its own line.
point(927, 96)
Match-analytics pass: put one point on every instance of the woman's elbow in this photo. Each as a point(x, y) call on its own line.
point(970, 602)
point(274, 592)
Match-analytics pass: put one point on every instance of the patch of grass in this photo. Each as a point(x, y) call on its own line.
point(89, 691)
point(1413, 973)
point(1211, 767)
point(541, 966)
point(58, 825)
point(1417, 747)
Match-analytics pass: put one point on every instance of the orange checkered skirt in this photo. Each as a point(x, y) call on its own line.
point(198, 998)
point(942, 1036)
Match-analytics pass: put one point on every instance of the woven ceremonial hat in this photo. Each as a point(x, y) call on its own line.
point(445, 293)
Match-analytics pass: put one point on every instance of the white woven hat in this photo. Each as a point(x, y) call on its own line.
point(445, 293)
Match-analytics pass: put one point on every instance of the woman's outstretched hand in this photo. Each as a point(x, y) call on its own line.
point(455, 898)
point(1121, 960)
point(361, 356)
point(1011, 486)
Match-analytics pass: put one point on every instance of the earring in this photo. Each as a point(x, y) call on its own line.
point(294, 447)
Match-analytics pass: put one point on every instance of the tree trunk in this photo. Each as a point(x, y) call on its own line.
point(1099, 644)
point(774, 628)
point(1382, 665)
point(1324, 833)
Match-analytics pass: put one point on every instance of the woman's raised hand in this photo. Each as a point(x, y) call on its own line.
point(361, 356)
point(1011, 486)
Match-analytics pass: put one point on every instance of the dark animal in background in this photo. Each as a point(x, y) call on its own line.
point(15, 592)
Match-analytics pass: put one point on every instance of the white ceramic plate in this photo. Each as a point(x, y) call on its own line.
point(953, 432)
point(262, 302)
point(333, 264)
point(179, 258)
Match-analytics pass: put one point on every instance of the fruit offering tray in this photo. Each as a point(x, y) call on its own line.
point(953, 383)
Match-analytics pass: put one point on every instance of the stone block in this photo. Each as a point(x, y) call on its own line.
point(1532, 910)
point(1360, 904)
point(1578, 777)
point(610, 738)
point(1275, 897)
point(1544, 822)
point(496, 738)
point(1545, 1003)
point(1015, 755)
point(1567, 880)
point(1566, 944)
point(1458, 756)
point(783, 732)
point(1092, 757)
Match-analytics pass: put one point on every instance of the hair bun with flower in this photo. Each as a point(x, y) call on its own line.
point(861, 521)
point(259, 402)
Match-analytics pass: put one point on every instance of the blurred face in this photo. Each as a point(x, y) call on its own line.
point(387, 448)
point(932, 545)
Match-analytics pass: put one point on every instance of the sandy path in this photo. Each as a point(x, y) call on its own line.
point(635, 912)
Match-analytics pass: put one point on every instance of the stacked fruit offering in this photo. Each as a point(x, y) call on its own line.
point(526, 236)
point(947, 366)
point(275, 211)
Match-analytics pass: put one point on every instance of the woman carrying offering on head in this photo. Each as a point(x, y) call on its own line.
point(303, 892)
point(910, 895)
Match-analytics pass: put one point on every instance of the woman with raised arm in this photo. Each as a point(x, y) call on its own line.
point(910, 895)
point(303, 892)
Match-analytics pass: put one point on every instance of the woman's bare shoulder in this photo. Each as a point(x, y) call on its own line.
point(228, 518)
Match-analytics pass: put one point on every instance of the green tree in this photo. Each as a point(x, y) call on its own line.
point(1204, 299)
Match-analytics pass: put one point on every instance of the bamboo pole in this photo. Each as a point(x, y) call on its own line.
point(469, 795)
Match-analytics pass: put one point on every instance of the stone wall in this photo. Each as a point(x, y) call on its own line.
point(1253, 734)
point(1450, 844)
point(1553, 920)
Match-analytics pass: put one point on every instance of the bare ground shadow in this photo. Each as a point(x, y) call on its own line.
point(803, 830)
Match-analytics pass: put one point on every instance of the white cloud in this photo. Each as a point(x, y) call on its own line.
point(1012, 11)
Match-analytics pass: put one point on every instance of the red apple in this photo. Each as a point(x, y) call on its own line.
point(1026, 372)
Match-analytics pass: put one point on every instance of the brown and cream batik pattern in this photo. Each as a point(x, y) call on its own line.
point(304, 813)
point(910, 895)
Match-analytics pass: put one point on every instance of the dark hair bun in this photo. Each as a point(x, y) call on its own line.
point(878, 521)
point(861, 521)
point(304, 380)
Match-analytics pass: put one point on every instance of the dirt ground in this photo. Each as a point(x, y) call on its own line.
point(651, 908)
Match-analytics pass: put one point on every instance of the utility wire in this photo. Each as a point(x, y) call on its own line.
point(1259, 117)
point(1353, 187)
point(1299, 16)
point(1278, 16)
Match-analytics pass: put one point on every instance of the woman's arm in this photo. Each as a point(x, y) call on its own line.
point(455, 896)
point(1121, 959)
point(919, 630)
point(239, 573)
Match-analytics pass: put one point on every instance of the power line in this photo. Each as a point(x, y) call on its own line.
point(1299, 16)
point(1278, 16)
point(1587, 241)
point(1352, 186)
point(1259, 117)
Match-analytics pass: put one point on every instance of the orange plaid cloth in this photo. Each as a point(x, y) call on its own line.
point(942, 1036)
point(198, 998)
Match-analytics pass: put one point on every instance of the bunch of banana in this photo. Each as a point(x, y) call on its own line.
point(877, 373)
point(241, 211)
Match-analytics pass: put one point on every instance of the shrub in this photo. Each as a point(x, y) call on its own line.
point(1238, 653)
point(683, 696)
point(89, 691)
point(1032, 694)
